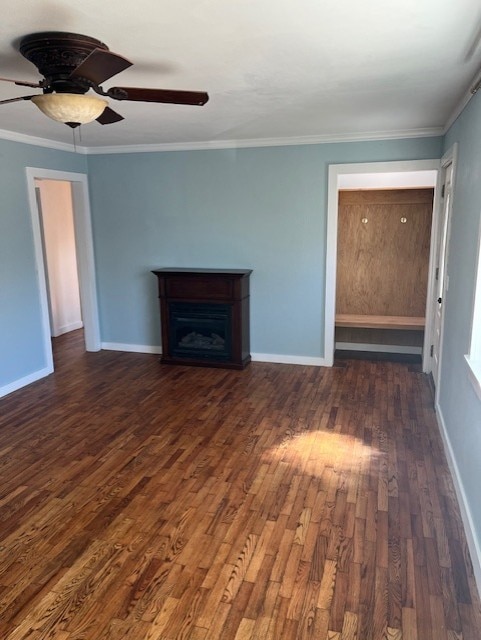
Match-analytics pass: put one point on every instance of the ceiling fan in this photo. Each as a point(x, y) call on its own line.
point(71, 64)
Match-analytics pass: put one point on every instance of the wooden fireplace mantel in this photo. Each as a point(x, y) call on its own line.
point(227, 288)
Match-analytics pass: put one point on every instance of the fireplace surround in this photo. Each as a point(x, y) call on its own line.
point(204, 316)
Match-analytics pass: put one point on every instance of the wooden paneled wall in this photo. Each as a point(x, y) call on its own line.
point(382, 264)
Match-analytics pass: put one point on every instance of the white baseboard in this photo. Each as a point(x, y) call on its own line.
point(469, 529)
point(23, 382)
point(66, 328)
point(378, 348)
point(131, 348)
point(256, 357)
point(283, 359)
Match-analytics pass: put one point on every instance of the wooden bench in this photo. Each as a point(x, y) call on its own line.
point(380, 322)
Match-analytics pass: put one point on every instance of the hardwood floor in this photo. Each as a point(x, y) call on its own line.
point(142, 501)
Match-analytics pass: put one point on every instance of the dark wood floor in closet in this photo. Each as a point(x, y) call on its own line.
point(142, 501)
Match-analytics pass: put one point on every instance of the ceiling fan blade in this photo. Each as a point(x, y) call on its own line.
point(16, 99)
point(158, 95)
point(109, 116)
point(100, 65)
point(21, 83)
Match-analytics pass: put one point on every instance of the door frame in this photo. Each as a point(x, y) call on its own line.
point(85, 256)
point(449, 158)
point(335, 172)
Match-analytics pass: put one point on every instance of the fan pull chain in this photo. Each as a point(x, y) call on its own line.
point(74, 138)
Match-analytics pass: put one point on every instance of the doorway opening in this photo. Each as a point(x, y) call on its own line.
point(383, 244)
point(55, 206)
point(77, 186)
point(379, 176)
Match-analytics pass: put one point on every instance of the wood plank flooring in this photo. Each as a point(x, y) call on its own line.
point(143, 501)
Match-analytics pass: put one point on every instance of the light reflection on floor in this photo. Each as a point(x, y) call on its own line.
point(312, 451)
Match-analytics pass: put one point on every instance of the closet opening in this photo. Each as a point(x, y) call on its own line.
point(383, 248)
point(380, 259)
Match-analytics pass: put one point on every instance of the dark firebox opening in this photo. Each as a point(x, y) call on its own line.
point(200, 330)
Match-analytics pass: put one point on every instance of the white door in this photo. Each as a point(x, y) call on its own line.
point(442, 283)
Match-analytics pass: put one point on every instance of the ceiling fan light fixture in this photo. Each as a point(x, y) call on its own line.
point(70, 107)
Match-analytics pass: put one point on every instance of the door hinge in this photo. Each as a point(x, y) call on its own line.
point(443, 189)
point(437, 273)
point(431, 351)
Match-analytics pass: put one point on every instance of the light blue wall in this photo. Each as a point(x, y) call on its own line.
point(258, 208)
point(21, 351)
point(263, 208)
point(460, 407)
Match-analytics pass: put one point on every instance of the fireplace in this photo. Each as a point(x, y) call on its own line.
point(204, 316)
point(200, 330)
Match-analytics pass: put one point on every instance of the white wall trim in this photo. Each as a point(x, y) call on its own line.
point(461, 104)
point(457, 111)
point(66, 328)
point(267, 142)
point(41, 272)
point(467, 518)
point(85, 255)
point(428, 132)
point(430, 308)
point(288, 359)
point(86, 261)
point(450, 157)
point(23, 382)
point(256, 357)
point(39, 142)
point(378, 348)
point(130, 348)
point(335, 171)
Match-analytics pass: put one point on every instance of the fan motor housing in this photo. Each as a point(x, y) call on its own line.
point(56, 54)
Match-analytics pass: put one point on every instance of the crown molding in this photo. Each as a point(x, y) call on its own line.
point(268, 142)
point(222, 144)
point(461, 105)
point(14, 136)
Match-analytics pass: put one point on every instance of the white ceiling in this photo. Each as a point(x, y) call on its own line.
point(274, 69)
